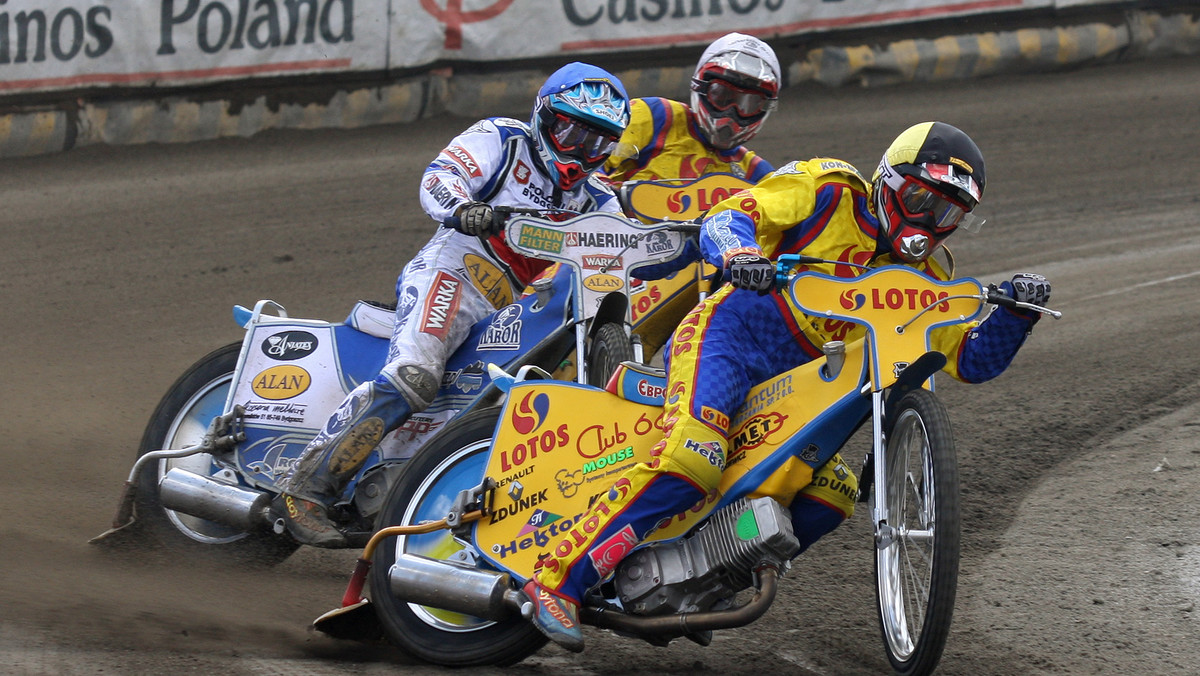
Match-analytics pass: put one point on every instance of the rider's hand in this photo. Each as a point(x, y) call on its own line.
point(752, 271)
point(1027, 287)
point(476, 219)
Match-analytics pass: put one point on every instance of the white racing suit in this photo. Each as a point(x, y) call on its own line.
point(453, 282)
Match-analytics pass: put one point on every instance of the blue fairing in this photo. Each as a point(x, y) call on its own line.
point(503, 338)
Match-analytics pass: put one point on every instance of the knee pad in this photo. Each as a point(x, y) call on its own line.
point(418, 385)
point(695, 451)
point(833, 485)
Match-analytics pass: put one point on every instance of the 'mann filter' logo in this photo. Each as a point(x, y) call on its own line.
point(289, 345)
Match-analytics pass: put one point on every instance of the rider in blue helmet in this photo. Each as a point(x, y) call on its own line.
point(464, 273)
point(578, 118)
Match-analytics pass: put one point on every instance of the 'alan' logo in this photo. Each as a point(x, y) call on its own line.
point(281, 382)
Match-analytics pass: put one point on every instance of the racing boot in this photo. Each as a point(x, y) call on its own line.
point(555, 616)
point(333, 457)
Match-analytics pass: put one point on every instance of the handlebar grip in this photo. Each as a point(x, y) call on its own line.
point(687, 227)
point(996, 297)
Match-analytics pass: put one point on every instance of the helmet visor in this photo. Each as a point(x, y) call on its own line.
point(922, 201)
point(576, 139)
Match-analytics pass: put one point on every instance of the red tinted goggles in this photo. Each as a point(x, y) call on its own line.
point(577, 139)
point(919, 200)
point(724, 95)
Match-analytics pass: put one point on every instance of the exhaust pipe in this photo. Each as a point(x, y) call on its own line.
point(200, 496)
point(481, 593)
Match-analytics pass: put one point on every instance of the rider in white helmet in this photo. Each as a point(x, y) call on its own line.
point(580, 113)
point(734, 88)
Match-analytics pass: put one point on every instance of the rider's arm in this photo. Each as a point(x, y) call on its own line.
point(753, 219)
point(464, 170)
point(637, 146)
point(979, 352)
point(602, 196)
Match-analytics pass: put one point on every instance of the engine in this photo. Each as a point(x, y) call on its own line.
point(709, 566)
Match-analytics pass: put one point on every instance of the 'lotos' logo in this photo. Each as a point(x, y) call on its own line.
point(896, 299)
point(289, 345)
point(531, 412)
point(679, 202)
point(852, 301)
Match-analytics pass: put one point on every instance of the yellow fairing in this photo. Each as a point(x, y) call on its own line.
point(558, 447)
point(659, 304)
point(890, 302)
point(774, 412)
point(679, 199)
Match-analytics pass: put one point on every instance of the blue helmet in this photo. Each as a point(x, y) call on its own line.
point(580, 113)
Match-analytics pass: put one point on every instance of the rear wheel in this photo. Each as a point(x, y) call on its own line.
point(180, 420)
point(917, 552)
point(454, 461)
point(610, 347)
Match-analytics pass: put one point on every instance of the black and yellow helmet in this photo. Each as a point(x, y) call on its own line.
point(926, 185)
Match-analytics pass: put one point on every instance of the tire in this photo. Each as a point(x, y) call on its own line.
point(610, 347)
point(916, 576)
point(452, 462)
point(180, 420)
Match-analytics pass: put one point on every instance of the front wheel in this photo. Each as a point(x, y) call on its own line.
point(180, 420)
point(917, 549)
point(609, 348)
point(454, 461)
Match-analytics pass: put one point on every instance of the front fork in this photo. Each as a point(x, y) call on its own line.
point(874, 475)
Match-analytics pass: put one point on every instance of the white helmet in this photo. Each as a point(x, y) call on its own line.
point(735, 86)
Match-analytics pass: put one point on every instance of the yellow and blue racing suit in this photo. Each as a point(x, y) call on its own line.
point(736, 339)
point(670, 144)
point(664, 141)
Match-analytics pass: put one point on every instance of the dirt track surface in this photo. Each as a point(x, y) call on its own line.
point(118, 268)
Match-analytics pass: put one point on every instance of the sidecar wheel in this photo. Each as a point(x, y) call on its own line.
point(916, 575)
point(452, 462)
point(181, 419)
point(609, 348)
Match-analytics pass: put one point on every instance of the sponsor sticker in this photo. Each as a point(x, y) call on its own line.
point(504, 333)
point(606, 555)
point(601, 283)
point(289, 345)
point(463, 159)
point(281, 382)
point(440, 306)
point(540, 239)
point(489, 279)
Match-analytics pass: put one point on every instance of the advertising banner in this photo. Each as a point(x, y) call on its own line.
point(483, 30)
point(74, 44)
point(71, 44)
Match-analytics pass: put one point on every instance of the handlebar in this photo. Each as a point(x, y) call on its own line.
point(995, 296)
point(992, 294)
point(505, 212)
